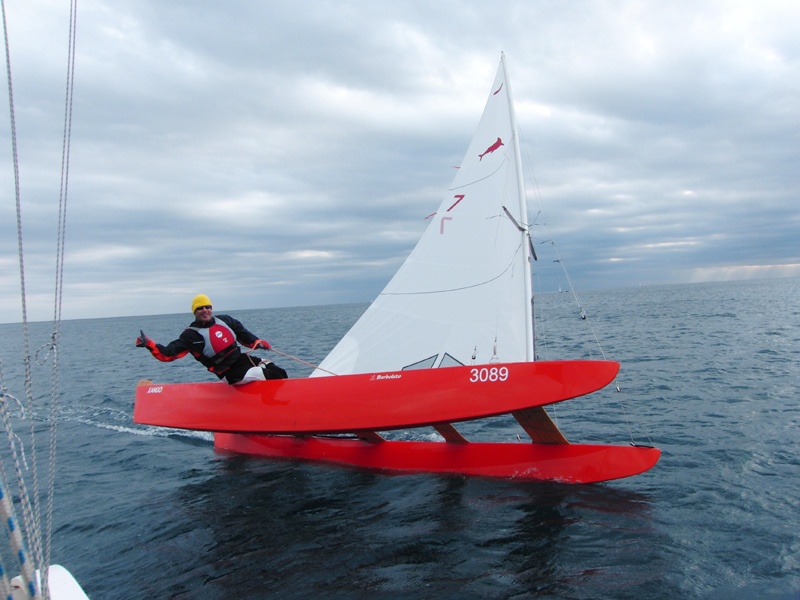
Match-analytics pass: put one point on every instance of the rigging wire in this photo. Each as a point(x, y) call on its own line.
point(30, 509)
point(59, 282)
point(6, 506)
point(39, 534)
point(582, 310)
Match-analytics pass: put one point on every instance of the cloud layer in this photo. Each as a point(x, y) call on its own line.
point(273, 154)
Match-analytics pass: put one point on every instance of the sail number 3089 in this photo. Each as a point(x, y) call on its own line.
point(489, 374)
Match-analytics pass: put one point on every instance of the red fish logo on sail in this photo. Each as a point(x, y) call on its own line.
point(491, 148)
point(498, 90)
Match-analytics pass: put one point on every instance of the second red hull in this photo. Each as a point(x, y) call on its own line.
point(564, 463)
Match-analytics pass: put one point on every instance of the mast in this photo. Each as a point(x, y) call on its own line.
point(523, 215)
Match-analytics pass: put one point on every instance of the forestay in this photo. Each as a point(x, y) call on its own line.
point(463, 295)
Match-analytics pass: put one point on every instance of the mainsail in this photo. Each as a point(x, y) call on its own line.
point(463, 296)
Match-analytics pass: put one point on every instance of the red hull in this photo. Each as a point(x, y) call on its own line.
point(565, 463)
point(376, 401)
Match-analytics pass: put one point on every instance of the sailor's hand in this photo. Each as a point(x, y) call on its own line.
point(142, 341)
point(262, 344)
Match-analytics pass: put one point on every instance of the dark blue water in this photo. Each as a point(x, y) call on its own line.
point(710, 375)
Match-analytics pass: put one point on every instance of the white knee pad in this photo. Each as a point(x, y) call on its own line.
point(253, 374)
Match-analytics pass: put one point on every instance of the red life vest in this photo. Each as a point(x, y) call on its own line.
point(220, 340)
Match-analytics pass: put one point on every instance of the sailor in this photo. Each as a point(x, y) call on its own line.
point(213, 341)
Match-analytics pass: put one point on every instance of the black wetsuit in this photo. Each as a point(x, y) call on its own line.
point(225, 360)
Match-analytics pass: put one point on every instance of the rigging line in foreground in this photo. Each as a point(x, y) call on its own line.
point(58, 292)
point(65, 153)
point(29, 502)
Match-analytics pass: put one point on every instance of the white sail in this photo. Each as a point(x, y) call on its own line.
point(463, 296)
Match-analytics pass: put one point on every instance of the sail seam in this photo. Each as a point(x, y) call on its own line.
point(492, 174)
point(466, 287)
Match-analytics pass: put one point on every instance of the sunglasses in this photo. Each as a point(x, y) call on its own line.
point(203, 308)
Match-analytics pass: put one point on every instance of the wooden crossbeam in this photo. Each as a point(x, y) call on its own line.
point(538, 424)
point(450, 433)
point(370, 436)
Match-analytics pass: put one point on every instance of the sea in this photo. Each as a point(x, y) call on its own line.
point(710, 375)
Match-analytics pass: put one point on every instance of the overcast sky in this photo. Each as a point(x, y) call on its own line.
point(286, 153)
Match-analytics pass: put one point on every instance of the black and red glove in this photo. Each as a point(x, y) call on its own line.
point(144, 342)
point(262, 344)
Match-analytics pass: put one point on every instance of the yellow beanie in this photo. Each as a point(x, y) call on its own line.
point(200, 300)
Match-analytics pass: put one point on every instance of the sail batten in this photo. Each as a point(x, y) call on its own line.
point(465, 290)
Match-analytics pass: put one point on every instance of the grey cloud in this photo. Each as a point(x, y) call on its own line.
point(272, 154)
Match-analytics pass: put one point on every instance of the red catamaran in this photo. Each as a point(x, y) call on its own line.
point(450, 339)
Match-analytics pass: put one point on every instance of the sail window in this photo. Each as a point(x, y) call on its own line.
point(449, 361)
point(423, 364)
